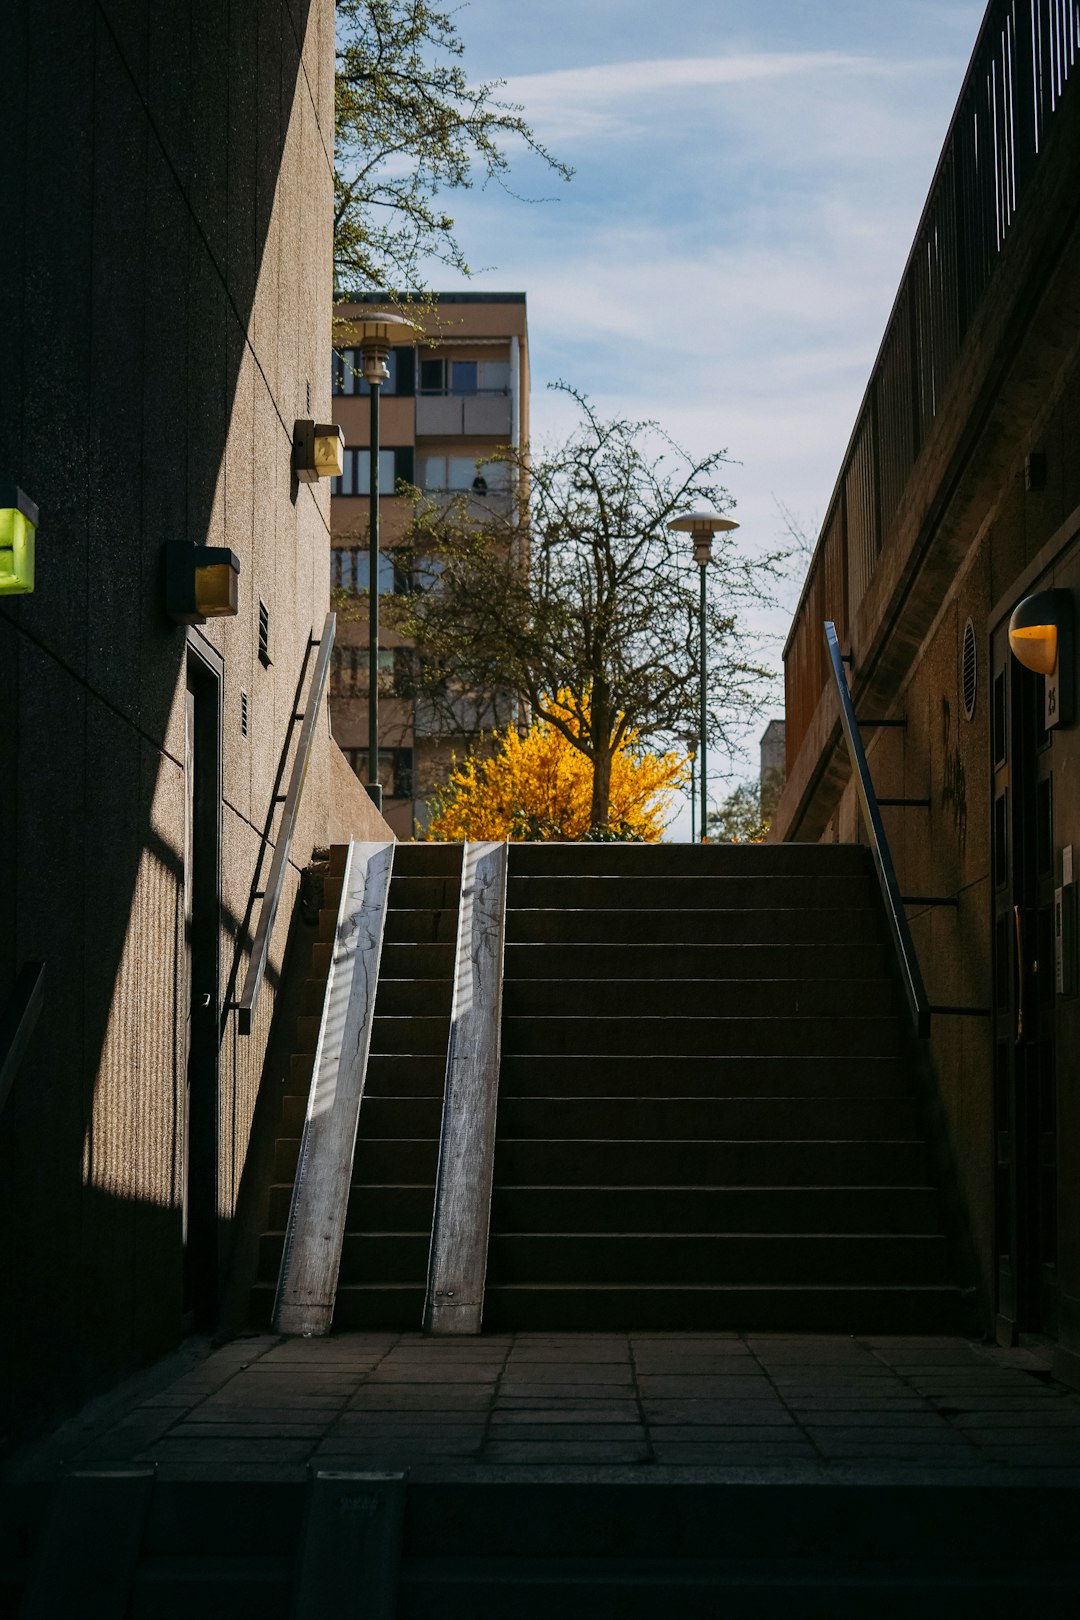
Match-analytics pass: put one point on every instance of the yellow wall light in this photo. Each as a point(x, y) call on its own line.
point(318, 450)
point(201, 582)
point(18, 528)
point(1041, 638)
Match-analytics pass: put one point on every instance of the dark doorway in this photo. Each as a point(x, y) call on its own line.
point(202, 907)
point(1025, 1103)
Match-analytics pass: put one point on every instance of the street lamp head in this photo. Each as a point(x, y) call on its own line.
point(702, 522)
point(375, 335)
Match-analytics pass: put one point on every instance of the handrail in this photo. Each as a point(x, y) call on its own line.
point(260, 946)
point(17, 1021)
point(914, 989)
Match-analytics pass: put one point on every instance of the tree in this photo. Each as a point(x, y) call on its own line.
point(746, 814)
point(408, 127)
point(539, 786)
point(568, 580)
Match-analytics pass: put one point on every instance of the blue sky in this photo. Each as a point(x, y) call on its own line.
point(748, 181)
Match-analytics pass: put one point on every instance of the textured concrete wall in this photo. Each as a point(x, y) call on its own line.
point(946, 851)
point(165, 295)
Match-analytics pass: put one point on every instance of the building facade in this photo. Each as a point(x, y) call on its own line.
point(166, 296)
point(451, 400)
point(958, 498)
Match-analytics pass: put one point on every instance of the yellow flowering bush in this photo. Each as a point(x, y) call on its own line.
point(539, 786)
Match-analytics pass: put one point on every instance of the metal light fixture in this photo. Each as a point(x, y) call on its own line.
point(1041, 638)
point(375, 335)
point(18, 528)
point(318, 450)
point(701, 524)
point(201, 582)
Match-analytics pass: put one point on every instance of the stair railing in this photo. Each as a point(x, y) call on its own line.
point(895, 915)
point(17, 1020)
point(260, 946)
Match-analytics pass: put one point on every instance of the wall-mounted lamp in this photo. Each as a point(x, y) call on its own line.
point(18, 526)
point(1041, 638)
point(318, 450)
point(201, 582)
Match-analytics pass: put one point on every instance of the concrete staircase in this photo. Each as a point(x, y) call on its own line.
point(706, 1116)
point(388, 1227)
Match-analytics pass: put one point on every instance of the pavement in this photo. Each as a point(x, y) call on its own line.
point(643, 1406)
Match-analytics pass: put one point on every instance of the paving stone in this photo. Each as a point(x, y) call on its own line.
point(592, 1412)
point(448, 1441)
point(871, 1420)
point(856, 1403)
point(566, 1452)
point(527, 1390)
point(692, 1384)
point(406, 1422)
point(543, 1372)
point(248, 1431)
point(692, 1366)
point(549, 1403)
point(421, 1397)
point(703, 1411)
point(569, 1433)
point(260, 1402)
point(1002, 1422)
point(723, 1433)
point(750, 1454)
point(210, 1450)
point(616, 1355)
point(411, 1372)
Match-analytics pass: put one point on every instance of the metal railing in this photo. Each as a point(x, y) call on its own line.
point(260, 946)
point(17, 1021)
point(1025, 55)
point(895, 915)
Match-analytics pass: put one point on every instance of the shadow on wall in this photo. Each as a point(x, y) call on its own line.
point(140, 166)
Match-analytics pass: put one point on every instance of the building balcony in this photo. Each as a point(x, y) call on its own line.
point(480, 415)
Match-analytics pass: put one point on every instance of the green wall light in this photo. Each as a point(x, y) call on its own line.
point(18, 526)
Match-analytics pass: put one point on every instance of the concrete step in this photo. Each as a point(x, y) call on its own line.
point(428, 860)
point(409, 1074)
point(695, 1259)
point(629, 1588)
point(700, 892)
point(399, 998)
point(702, 961)
point(596, 1307)
point(571, 1075)
point(374, 1208)
point(775, 924)
point(701, 1163)
point(424, 926)
point(663, 995)
point(682, 1036)
point(379, 1116)
point(410, 961)
point(385, 1257)
point(681, 860)
point(726, 1119)
point(414, 1034)
point(746, 1076)
point(705, 1209)
point(379, 1305)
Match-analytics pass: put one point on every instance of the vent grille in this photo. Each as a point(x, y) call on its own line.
point(243, 714)
point(264, 634)
point(969, 670)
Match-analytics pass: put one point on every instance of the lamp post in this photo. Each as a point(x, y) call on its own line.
point(690, 742)
point(701, 524)
point(375, 335)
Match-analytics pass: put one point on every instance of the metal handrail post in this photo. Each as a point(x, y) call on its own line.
point(260, 945)
point(904, 945)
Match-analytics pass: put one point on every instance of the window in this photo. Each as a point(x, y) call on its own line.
point(349, 670)
point(346, 375)
point(395, 769)
point(464, 376)
point(350, 570)
point(395, 466)
point(462, 473)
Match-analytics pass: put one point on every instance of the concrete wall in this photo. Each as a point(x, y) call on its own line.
point(165, 293)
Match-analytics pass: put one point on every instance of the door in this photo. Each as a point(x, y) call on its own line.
point(1025, 1100)
point(199, 1128)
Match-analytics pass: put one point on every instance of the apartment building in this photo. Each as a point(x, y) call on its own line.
point(450, 401)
